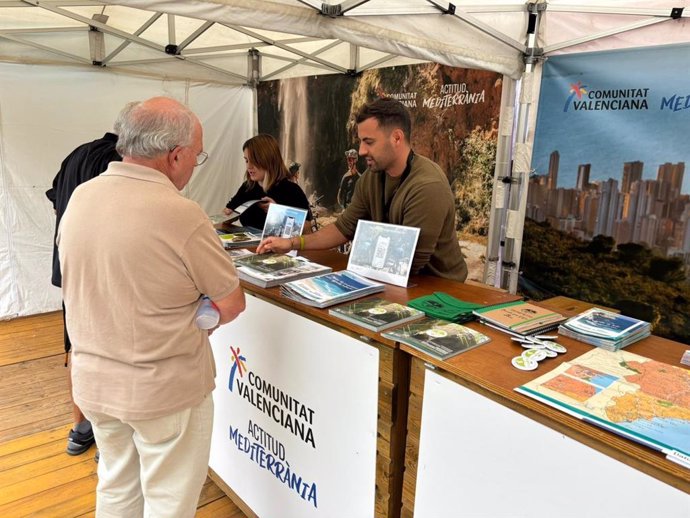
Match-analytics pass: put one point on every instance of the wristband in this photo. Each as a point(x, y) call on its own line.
point(301, 242)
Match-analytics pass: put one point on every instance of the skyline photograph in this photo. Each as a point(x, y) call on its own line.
point(604, 112)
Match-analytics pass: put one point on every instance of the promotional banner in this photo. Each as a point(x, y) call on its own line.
point(609, 200)
point(295, 415)
point(454, 115)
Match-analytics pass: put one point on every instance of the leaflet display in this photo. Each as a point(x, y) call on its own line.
point(383, 251)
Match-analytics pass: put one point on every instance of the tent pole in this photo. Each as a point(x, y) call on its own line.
point(512, 172)
point(499, 199)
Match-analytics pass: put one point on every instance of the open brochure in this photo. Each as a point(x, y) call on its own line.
point(267, 270)
point(383, 251)
point(239, 210)
point(330, 289)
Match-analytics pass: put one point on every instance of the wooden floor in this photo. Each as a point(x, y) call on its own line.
point(37, 477)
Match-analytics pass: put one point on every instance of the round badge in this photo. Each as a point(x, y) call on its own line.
point(532, 345)
point(524, 364)
point(534, 354)
point(549, 353)
point(269, 261)
point(376, 311)
point(436, 333)
point(555, 347)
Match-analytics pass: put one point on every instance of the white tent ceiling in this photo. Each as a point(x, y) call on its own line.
point(209, 40)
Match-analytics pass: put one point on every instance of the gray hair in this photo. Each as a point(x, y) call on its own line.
point(148, 130)
point(120, 120)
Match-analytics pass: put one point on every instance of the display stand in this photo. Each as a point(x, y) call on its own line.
point(315, 328)
point(504, 454)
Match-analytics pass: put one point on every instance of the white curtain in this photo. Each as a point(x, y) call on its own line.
point(47, 111)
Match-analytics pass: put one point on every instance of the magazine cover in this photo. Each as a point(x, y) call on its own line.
point(269, 263)
point(376, 313)
point(334, 286)
point(239, 239)
point(383, 251)
point(438, 338)
point(604, 324)
point(284, 221)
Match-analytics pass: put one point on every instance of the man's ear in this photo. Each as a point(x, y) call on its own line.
point(173, 156)
point(397, 136)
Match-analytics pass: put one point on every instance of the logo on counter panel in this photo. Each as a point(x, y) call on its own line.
point(260, 443)
point(238, 366)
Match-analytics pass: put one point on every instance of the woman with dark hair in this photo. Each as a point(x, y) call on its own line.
point(267, 180)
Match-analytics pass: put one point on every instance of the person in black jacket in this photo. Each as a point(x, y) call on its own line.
point(268, 180)
point(84, 163)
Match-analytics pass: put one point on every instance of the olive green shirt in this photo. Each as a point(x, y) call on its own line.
point(423, 200)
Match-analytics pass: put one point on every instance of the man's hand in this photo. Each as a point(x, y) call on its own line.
point(279, 245)
point(227, 211)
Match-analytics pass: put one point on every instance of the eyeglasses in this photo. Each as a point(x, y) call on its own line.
point(200, 158)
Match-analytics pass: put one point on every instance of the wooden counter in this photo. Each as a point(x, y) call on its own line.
point(487, 370)
point(394, 371)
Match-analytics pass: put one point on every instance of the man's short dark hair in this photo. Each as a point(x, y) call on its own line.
point(389, 113)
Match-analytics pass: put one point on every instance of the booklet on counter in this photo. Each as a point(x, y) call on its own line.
point(520, 318)
point(376, 314)
point(438, 338)
point(330, 289)
point(271, 269)
point(605, 329)
point(238, 239)
point(236, 253)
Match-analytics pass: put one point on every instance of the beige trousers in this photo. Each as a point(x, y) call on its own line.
point(152, 468)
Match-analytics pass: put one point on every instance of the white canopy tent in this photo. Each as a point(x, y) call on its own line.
point(212, 52)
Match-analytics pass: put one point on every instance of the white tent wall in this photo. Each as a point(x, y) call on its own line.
point(45, 112)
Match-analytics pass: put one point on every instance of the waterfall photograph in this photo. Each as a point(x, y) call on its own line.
point(454, 115)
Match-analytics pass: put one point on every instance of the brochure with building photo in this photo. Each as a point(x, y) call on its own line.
point(383, 251)
point(284, 221)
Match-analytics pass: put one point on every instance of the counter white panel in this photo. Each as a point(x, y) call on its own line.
point(478, 458)
point(296, 415)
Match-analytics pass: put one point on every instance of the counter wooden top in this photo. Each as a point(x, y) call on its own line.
point(419, 285)
point(488, 371)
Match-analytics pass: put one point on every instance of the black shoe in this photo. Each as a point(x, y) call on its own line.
point(78, 443)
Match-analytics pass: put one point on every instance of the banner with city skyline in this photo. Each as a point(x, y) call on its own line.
point(608, 208)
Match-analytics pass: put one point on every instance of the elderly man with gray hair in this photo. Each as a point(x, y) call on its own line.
point(136, 257)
